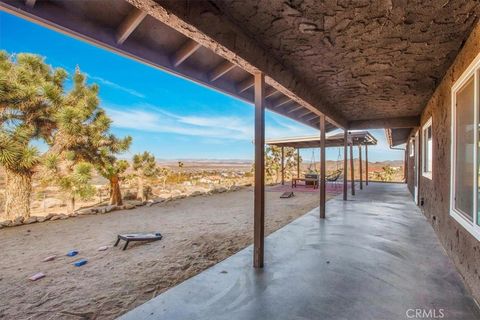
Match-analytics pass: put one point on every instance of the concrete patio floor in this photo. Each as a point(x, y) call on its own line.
point(374, 257)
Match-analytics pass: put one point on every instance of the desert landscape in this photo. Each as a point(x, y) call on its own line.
point(204, 213)
point(197, 233)
point(194, 177)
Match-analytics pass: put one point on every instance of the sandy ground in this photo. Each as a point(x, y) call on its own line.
point(198, 232)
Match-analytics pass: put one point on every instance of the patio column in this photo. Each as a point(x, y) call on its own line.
point(352, 170)
point(283, 166)
point(259, 188)
point(360, 165)
point(298, 162)
point(322, 167)
point(345, 163)
point(366, 164)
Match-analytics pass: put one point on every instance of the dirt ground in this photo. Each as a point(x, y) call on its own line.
point(198, 232)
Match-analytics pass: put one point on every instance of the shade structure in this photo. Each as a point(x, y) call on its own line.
point(332, 140)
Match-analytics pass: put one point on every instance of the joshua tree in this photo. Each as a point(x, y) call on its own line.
point(83, 135)
point(30, 94)
point(72, 177)
point(145, 167)
point(164, 173)
point(273, 161)
point(33, 106)
point(113, 171)
point(387, 174)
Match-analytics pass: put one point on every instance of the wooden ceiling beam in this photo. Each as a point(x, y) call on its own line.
point(270, 91)
point(185, 51)
point(310, 118)
point(303, 114)
point(281, 101)
point(245, 84)
point(129, 24)
point(30, 3)
point(220, 70)
point(296, 108)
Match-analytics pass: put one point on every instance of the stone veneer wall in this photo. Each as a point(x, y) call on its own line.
point(459, 244)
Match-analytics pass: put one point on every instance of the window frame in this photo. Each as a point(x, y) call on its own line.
point(473, 70)
point(428, 124)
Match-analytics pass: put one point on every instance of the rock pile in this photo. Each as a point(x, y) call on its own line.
point(128, 205)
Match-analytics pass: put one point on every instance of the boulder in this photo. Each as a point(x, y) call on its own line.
point(45, 218)
point(219, 190)
point(5, 223)
point(197, 193)
point(128, 206)
point(180, 196)
point(17, 221)
point(136, 203)
point(105, 209)
point(160, 199)
point(52, 202)
point(85, 211)
point(32, 219)
point(60, 216)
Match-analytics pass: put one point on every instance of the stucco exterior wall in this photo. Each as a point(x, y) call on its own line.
point(459, 244)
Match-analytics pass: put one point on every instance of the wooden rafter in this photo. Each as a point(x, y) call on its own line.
point(220, 70)
point(245, 84)
point(30, 3)
point(131, 22)
point(185, 51)
point(281, 101)
point(271, 91)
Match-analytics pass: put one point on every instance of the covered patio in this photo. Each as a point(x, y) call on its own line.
point(345, 139)
point(338, 65)
point(374, 257)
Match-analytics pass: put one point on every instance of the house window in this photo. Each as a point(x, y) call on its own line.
point(412, 147)
point(427, 149)
point(465, 137)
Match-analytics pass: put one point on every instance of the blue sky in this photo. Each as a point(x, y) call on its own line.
point(167, 115)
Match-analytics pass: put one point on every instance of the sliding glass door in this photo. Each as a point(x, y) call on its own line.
point(464, 199)
point(465, 149)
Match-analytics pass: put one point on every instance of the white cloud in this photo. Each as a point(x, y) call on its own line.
point(282, 127)
point(165, 122)
point(116, 86)
point(153, 119)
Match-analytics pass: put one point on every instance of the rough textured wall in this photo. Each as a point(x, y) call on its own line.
point(462, 247)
